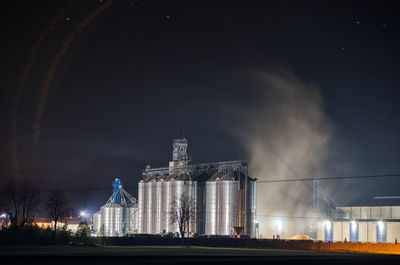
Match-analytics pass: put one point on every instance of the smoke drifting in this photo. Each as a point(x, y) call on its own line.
point(286, 135)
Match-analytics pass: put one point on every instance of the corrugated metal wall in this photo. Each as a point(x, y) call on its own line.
point(216, 205)
point(156, 200)
point(97, 222)
point(112, 219)
point(222, 207)
point(368, 231)
point(141, 207)
point(211, 208)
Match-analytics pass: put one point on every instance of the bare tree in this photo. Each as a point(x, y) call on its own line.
point(20, 202)
point(182, 212)
point(57, 207)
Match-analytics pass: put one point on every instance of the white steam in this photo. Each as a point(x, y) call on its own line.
point(286, 135)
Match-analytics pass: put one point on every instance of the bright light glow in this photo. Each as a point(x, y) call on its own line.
point(381, 226)
point(83, 213)
point(353, 226)
point(279, 226)
point(4, 215)
point(328, 225)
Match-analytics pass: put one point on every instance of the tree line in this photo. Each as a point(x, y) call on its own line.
point(19, 205)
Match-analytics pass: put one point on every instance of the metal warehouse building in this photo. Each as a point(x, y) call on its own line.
point(376, 224)
point(222, 193)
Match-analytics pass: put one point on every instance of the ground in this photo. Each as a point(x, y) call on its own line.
point(178, 255)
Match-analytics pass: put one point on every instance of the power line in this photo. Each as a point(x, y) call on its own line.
point(258, 182)
point(154, 211)
point(290, 217)
point(386, 197)
point(329, 178)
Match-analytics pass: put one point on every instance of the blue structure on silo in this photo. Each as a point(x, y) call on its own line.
point(116, 185)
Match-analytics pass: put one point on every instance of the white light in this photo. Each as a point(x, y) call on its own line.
point(381, 226)
point(4, 215)
point(328, 225)
point(353, 226)
point(83, 213)
point(279, 226)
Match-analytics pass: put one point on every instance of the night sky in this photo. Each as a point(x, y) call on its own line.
point(141, 73)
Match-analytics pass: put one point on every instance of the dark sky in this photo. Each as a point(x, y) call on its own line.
point(141, 70)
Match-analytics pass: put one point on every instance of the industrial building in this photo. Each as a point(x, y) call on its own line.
point(221, 201)
point(222, 196)
point(376, 224)
point(71, 223)
point(118, 216)
point(327, 221)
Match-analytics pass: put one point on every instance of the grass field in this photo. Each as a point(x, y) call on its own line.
point(176, 255)
point(150, 251)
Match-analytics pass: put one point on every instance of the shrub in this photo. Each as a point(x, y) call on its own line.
point(83, 233)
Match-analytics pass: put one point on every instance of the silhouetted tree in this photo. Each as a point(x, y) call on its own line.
point(182, 212)
point(57, 207)
point(20, 202)
point(64, 235)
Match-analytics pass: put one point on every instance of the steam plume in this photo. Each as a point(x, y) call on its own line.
point(286, 135)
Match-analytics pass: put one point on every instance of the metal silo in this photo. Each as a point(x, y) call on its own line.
point(97, 222)
point(251, 208)
point(230, 202)
point(157, 197)
point(221, 202)
point(166, 205)
point(227, 205)
point(120, 214)
point(220, 207)
point(200, 207)
point(112, 219)
point(130, 219)
point(141, 207)
point(211, 208)
point(175, 186)
point(194, 197)
point(148, 208)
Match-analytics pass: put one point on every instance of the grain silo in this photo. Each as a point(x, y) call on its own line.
point(118, 216)
point(221, 194)
point(96, 222)
point(230, 204)
point(157, 197)
point(111, 219)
